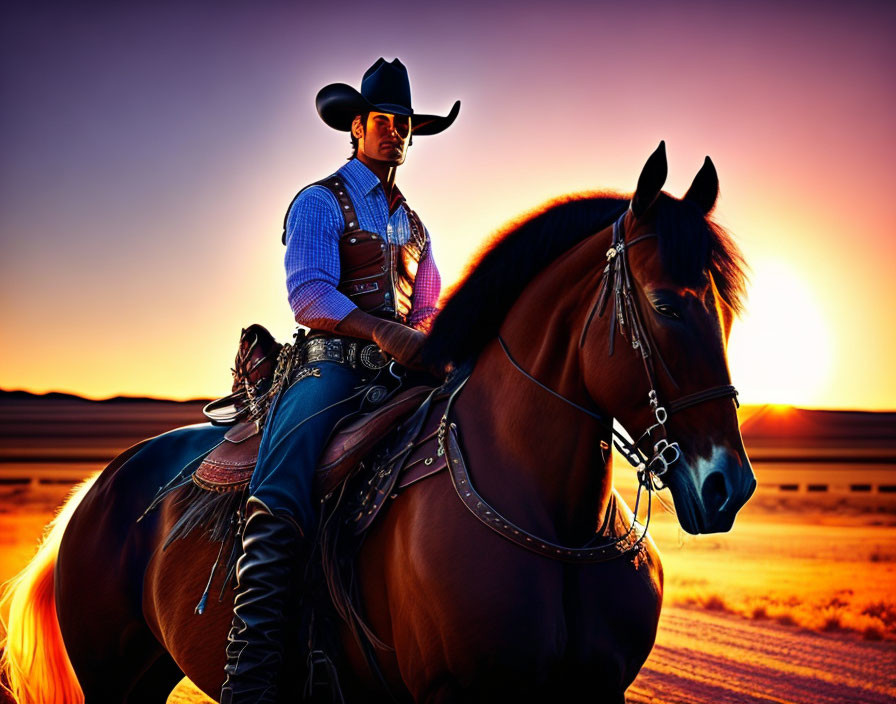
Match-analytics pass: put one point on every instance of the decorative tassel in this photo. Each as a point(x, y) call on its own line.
point(200, 607)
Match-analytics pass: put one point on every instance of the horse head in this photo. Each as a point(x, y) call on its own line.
point(671, 285)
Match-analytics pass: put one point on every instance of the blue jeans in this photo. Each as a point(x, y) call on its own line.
point(298, 426)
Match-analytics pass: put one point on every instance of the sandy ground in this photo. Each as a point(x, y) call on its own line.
point(796, 604)
point(704, 656)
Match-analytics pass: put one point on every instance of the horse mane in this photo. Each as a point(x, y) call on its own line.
point(501, 269)
point(690, 246)
point(693, 246)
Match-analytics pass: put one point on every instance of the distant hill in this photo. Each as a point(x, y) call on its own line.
point(63, 428)
point(59, 396)
point(772, 433)
point(770, 422)
point(785, 433)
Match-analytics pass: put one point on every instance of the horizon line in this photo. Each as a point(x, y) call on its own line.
point(125, 397)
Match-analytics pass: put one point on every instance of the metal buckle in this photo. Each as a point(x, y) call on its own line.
point(659, 411)
point(373, 357)
point(666, 454)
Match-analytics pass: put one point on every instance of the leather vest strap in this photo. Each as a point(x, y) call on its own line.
point(337, 188)
point(375, 274)
point(335, 185)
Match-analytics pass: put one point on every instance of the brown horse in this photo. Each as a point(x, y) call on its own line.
point(595, 308)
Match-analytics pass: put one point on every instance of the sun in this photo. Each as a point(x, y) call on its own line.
point(781, 350)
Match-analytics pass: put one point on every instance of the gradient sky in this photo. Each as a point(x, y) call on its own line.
point(149, 153)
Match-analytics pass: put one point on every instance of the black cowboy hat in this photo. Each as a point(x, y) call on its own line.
point(384, 88)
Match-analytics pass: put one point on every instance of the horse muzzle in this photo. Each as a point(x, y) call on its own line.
point(708, 492)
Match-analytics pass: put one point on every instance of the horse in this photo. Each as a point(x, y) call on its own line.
point(520, 573)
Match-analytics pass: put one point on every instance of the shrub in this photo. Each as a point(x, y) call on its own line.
point(714, 603)
point(872, 633)
point(785, 619)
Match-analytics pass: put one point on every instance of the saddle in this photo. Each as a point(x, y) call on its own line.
point(261, 364)
point(229, 466)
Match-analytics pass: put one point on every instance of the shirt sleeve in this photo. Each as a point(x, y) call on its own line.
point(313, 227)
point(427, 286)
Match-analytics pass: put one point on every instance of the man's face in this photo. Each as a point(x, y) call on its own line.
point(384, 138)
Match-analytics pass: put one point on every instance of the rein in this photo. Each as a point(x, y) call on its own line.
point(627, 317)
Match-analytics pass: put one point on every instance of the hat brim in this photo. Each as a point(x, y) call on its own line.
point(339, 103)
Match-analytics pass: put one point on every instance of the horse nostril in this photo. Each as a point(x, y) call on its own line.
point(714, 492)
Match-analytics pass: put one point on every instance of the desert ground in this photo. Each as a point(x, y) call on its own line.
point(796, 604)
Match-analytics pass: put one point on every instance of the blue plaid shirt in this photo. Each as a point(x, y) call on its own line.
point(314, 225)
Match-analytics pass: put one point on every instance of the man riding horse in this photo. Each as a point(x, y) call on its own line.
point(361, 275)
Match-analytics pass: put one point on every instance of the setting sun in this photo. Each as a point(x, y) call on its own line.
point(781, 350)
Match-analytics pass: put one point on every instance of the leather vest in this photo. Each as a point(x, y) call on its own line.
point(376, 275)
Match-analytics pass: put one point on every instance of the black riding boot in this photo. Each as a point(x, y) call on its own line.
point(265, 573)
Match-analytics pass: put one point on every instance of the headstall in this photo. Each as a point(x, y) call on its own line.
point(616, 281)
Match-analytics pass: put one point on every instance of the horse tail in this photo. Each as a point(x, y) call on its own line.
point(34, 666)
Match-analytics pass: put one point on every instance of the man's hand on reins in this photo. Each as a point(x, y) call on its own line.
point(400, 341)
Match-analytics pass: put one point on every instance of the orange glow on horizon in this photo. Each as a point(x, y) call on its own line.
point(781, 351)
point(141, 227)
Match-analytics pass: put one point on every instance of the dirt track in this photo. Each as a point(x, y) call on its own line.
point(825, 561)
point(703, 657)
point(713, 658)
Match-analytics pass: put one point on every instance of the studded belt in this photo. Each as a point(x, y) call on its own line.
point(357, 354)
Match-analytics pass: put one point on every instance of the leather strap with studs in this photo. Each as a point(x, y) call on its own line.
point(336, 186)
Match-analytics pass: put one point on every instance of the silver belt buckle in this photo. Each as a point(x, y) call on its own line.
point(372, 357)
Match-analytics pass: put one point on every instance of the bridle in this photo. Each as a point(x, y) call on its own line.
point(616, 280)
point(627, 317)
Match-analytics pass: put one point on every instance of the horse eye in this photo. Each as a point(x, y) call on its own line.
point(667, 310)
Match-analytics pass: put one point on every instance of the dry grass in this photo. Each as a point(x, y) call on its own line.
point(814, 616)
point(822, 573)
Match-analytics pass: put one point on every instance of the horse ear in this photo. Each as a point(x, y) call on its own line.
point(651, 180)
point(705, 188)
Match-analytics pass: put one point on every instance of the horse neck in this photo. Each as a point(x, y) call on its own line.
point(533, 456)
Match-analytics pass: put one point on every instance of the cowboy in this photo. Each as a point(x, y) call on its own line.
point(361, 275)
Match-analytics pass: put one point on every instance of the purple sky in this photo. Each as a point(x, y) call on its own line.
point(149, 153)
